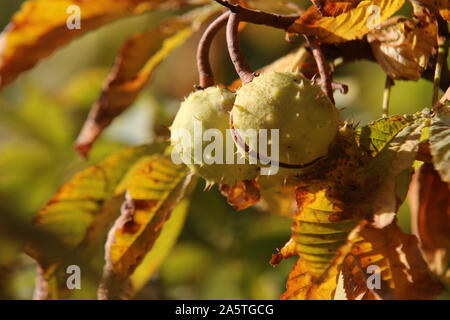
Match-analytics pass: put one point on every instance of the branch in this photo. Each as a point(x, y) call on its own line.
point(206, 77)
point(240, 63)
point(325, 74)
point(279, 21)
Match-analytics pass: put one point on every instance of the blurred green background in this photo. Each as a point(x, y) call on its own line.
point(221, 254)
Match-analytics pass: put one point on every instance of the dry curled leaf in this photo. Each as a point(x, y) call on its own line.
point(357, 282)
point(287, 251)
point(429, 199)
point(342, 21)
point(242, 195)
point(443, 6)
point(134, 66)
point(402, 47)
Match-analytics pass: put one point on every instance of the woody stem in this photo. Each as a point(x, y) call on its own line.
point(240, 63)
point(206, 77)
point(325, 74)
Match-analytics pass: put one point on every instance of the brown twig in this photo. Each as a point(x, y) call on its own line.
point(240, 63)
point(325, 74)
point(206, 77)
point(279, 21)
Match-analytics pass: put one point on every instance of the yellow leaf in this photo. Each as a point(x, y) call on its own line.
point(166, 240)
point(345, 20)
point(41, 27)
point(302, 285)
point(155, 186)
point(445, 13)
point(83, 208)
point(321, 226)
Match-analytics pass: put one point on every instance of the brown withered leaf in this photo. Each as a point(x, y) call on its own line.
point(321, 225)
point(429, 199)
point(287, 251)
point(345, 20)
point(242, 195)
point(443, 6)
point(445, 13)
point(41, 27)
point(402, 46)
point(134, 66)
point(356, 279)
point(396, 255)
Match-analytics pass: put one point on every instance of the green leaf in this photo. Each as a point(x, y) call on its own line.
point(155, 185)
point(377, 134)
point(440, 142)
